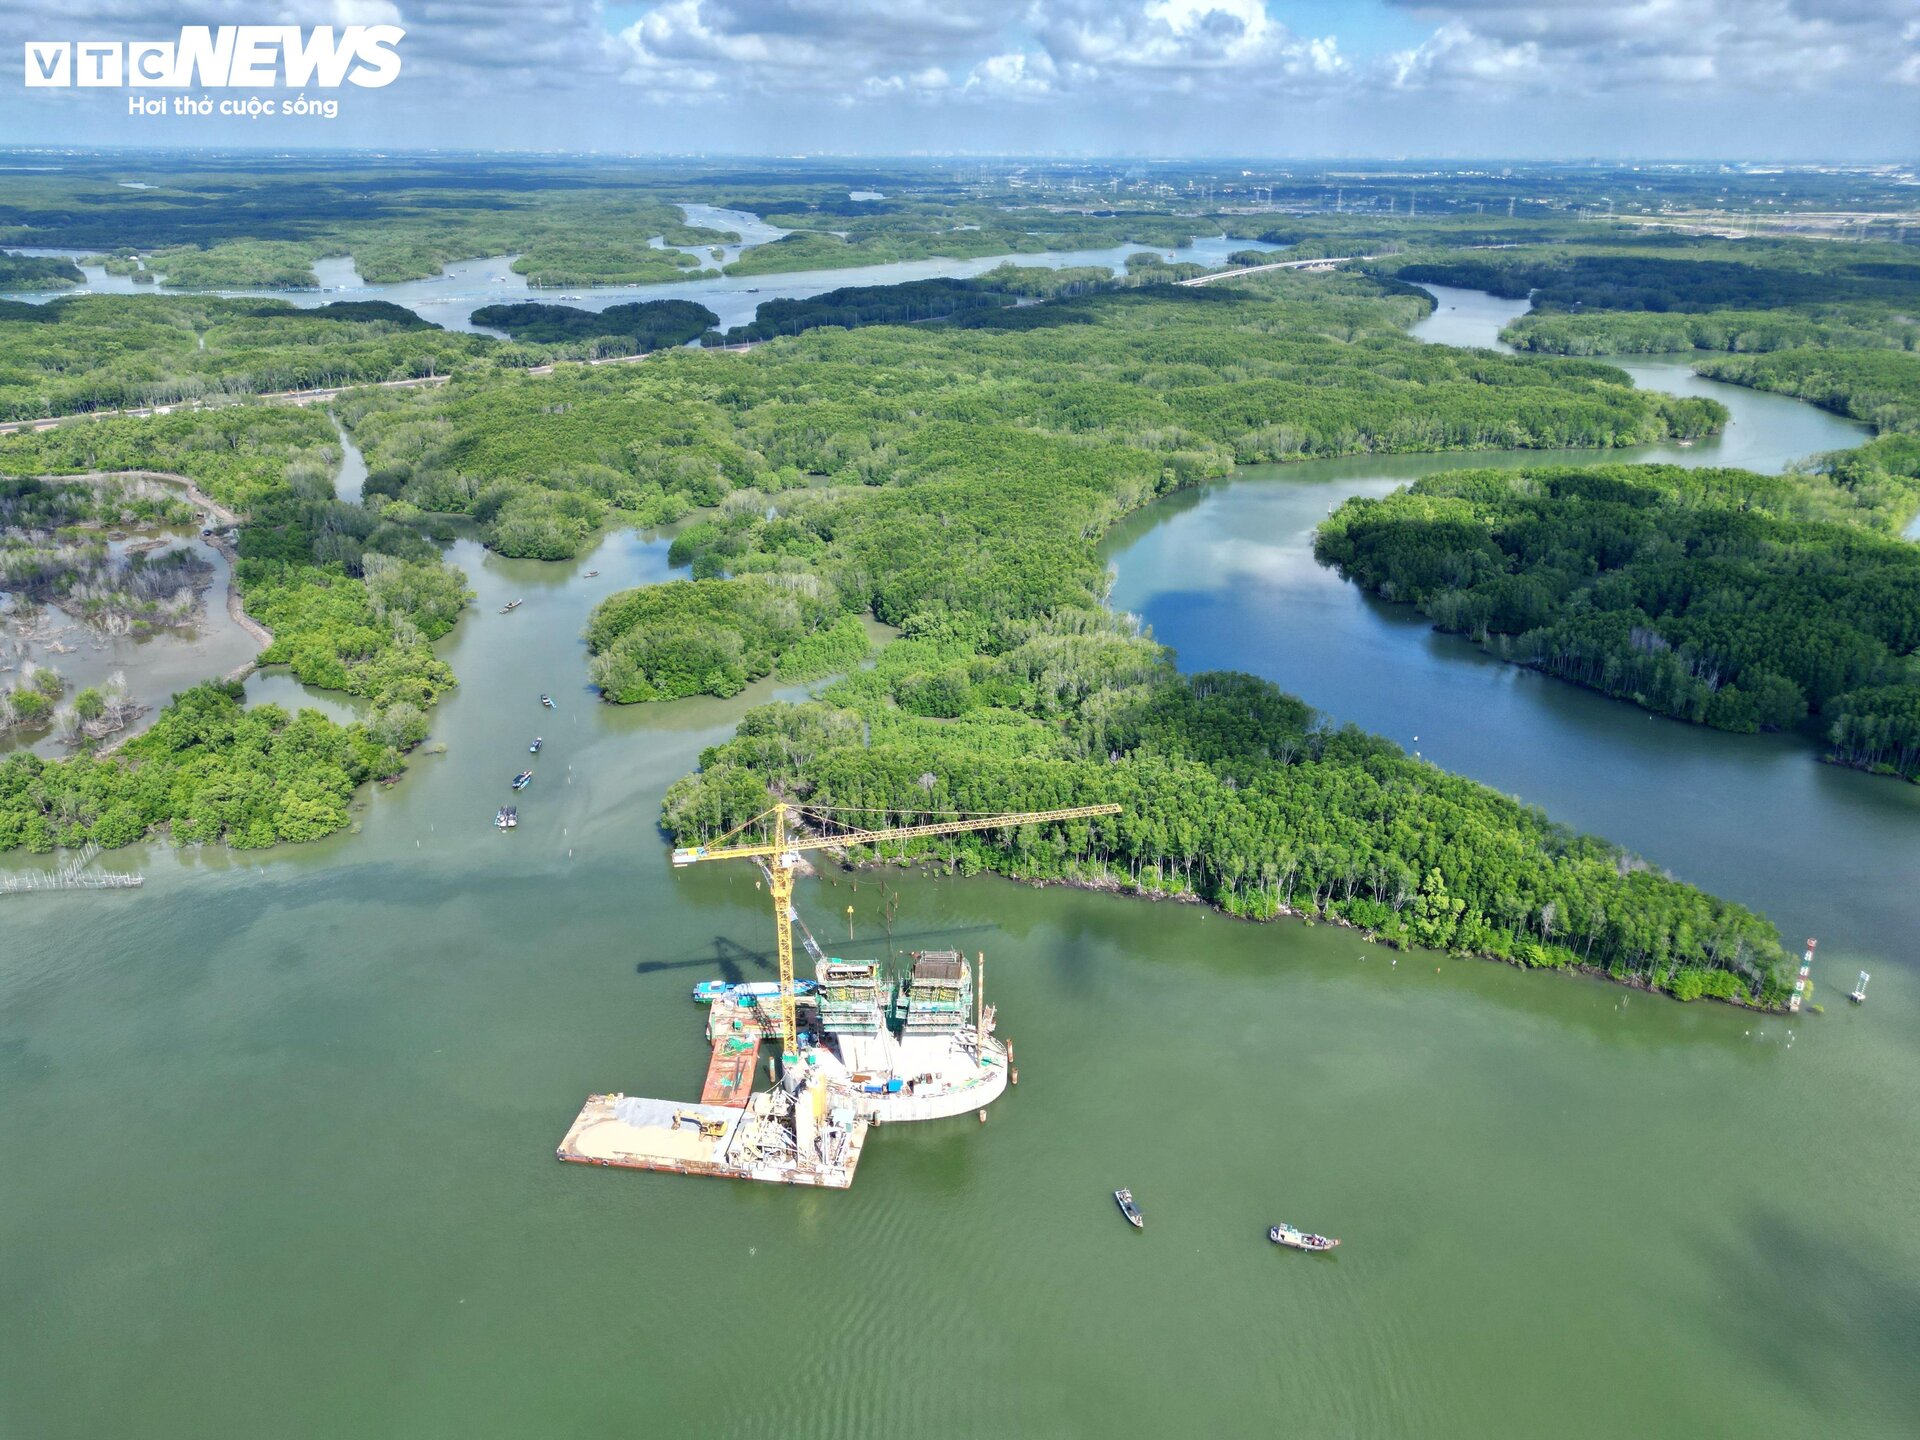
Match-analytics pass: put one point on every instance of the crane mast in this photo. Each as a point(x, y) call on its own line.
point(782, 850)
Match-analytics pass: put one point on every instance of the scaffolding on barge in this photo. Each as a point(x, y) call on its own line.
point(868, 1052)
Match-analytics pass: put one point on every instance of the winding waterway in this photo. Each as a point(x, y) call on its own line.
point(1226, 576)
point(450, 298)
point(276, 1157)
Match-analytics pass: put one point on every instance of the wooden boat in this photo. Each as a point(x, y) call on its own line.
point(547, 700)
point(1124, 1199)
point(511, 605)
point(523, 779)
point(1285, 1234)
point(534, 749)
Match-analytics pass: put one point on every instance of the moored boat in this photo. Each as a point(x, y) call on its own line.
point(1285, 1234)
point(710, 990)
point(1124, 1199)
point(507, 817)
point(523, 779)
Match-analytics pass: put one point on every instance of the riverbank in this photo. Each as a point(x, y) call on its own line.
point(1115, 886)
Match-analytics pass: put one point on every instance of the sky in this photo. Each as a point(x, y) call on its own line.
point(1524, 79)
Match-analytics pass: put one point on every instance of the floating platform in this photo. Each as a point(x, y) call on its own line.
point(855, 1070)
point(753, 1142)
point(735, 1032)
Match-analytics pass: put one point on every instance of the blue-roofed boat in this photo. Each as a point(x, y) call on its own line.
point(707, 991)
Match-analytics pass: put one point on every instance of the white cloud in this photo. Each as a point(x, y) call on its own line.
point(1016, 75)
point(1101, 67)
point(1174, 42)
point(362, 12)
point(1632, 46)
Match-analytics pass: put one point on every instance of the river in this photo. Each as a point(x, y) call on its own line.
point(276, 1157)
point(450, 298)
point(1226, 576)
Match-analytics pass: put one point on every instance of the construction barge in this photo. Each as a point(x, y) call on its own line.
point(872, 1051)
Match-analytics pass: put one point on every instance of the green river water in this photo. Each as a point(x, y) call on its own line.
point(276, 1157)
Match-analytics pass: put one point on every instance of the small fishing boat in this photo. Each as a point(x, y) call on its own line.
point(1285, 1234)
point(523, 779)
point(511, 605)
point(507, 817)
point(1859, 995)
point(534, 749)
point(547, 700)
point(592, 573)
point(1124, 1199)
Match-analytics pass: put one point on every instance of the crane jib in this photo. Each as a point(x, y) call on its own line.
point(688, 855)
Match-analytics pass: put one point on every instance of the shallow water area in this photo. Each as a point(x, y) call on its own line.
point(155, 665)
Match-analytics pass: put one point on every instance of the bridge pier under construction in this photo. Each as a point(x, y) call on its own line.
point(872, 1052)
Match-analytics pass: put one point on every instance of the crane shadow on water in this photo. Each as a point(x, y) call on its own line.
point(729, 958)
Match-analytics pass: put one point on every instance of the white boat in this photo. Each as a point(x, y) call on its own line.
point(1285, 1234)
point(1859, 995)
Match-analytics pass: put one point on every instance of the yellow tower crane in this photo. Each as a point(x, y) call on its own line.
point(782, 850)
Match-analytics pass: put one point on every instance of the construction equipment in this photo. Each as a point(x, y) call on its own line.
point(712, 1129)
point(781, 851)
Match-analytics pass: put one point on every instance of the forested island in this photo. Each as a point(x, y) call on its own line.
point(629, 329)
point(38, 272)
point(1730, 599)
point(951, 480)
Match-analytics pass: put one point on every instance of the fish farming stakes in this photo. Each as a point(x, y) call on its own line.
point(74, 875)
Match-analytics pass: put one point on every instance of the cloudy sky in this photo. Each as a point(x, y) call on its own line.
point(1790, 79)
